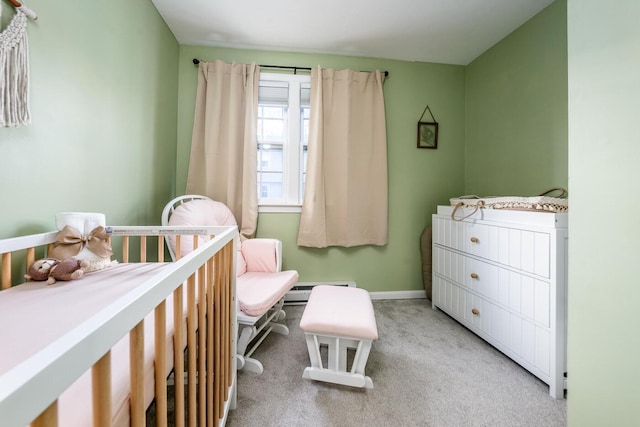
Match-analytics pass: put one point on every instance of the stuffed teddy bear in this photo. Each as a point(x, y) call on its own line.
point(52, 269)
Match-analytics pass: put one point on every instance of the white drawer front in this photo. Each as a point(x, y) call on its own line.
point(514, 333)
point(476, 239)
point(531, 343)
point(522, 294)
point(449, 264)
point(528, 297)
point(496, 273)
point(525, 250)
point(448, 233)
point(474, 312)
point(447, 296)
point(458, 302)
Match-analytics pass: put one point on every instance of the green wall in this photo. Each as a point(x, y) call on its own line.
point(111, 89)
point(516, 110)
point(105, 80)
point(604, 244)
point(103, 105)
point(503, 130)
point(419, 179)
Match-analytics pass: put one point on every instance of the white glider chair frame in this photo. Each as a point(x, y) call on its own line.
point(269, 281)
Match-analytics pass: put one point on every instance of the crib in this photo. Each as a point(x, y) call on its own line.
point(99, 350)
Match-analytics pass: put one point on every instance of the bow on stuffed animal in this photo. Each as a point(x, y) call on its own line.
point(70, 242)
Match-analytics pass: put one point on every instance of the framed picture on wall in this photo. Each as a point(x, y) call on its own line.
point(427, 135)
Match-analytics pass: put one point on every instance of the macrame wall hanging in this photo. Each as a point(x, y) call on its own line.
point(14, 68)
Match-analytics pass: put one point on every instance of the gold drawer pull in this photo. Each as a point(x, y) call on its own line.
point(474, 276)
point(474, 240)
point(475, 311)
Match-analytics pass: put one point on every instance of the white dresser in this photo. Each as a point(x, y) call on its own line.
point(503, 275)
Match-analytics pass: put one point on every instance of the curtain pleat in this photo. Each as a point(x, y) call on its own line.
point(345, 201)
point(223, 157)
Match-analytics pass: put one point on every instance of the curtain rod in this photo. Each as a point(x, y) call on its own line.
point(196, 61)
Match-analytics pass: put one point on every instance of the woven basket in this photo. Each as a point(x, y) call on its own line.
point(541, 203)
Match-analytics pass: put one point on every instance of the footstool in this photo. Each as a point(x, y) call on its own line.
point(341, 318)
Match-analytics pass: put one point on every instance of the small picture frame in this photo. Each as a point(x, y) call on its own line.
point(427, 135)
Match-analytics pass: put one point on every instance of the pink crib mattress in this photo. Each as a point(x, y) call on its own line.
point(34, 315)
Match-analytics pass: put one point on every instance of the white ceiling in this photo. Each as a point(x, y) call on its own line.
point(442, 31)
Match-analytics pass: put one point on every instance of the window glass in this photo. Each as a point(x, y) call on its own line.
point(283, 134)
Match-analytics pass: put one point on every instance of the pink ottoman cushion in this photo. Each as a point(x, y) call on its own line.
point(339, 311)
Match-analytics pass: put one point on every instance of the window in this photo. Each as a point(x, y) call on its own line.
point(283, 134)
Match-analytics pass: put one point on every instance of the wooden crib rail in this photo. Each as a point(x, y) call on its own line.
point(29, 392)
point(17, 245)
point(22, 250)
point(146, 231)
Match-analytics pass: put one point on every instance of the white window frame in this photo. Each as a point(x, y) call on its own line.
point(292, 147)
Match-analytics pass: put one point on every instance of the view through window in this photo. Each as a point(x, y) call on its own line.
point(283, 134)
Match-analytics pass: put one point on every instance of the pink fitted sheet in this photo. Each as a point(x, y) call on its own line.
point(39, 314)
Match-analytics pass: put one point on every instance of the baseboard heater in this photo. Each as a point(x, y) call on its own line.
point(299, 294)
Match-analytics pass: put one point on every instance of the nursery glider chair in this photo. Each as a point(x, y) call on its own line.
point(261, 285)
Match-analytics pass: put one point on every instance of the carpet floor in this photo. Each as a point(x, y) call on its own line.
point(426, 368)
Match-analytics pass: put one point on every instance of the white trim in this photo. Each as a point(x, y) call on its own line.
point(279, 209)
point(398, 295)
point(379, 296)
point(301, 290)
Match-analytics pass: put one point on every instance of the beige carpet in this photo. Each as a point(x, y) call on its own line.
point(427, 370)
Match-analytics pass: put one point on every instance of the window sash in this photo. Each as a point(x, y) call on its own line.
point(290, 94)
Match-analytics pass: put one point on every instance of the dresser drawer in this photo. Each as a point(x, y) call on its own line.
point(462, 269)
point(503, 274)
point(521, 294)
point(458, 302)
point(472, 310)
point(526, 250)
point(513, 334)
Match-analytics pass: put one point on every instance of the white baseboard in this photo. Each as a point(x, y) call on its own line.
point(398, 295)
point(301, 291)
point(386, 295)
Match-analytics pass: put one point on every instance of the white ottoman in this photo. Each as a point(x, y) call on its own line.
point(340, 318)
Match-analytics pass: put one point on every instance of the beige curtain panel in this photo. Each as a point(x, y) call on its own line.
point(223, 157)
point(345, 200)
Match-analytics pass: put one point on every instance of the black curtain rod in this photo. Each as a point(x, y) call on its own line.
point(285, 67)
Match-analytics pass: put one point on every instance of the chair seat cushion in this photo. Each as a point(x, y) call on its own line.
point(258, 292)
